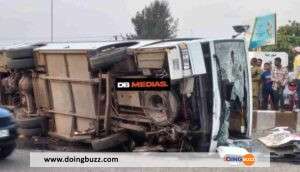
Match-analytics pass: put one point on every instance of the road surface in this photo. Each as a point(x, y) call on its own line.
point(19, 161)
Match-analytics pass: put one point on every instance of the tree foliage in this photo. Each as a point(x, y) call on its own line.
point(155, 22)
point(288, 37)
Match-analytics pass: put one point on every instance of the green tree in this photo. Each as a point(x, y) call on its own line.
point(288, 37)
point(155, 22)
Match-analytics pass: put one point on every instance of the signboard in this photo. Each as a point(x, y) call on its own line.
point(264, 31)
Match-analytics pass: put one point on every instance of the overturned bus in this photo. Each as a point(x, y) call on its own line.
point(209, 99)
point(74, 87)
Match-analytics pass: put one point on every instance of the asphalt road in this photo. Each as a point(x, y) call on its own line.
point(19, 161)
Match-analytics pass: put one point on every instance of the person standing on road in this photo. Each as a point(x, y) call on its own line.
point(266, 86)
point(297, 74)
point(279, 78)
point(255, 73)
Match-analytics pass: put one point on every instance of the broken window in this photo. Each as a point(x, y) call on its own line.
point(232, 72)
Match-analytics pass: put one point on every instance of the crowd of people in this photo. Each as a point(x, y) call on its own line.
point(274, 87)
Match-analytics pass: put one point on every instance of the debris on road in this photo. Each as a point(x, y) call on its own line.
point(231, 150)
point(280, 137)
point(283, 145)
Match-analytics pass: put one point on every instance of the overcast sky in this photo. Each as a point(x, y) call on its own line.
point(27, 20)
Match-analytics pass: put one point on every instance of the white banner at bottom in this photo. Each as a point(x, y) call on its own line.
point(82, 159)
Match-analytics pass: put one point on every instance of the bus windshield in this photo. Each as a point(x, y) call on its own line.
point(233, 80)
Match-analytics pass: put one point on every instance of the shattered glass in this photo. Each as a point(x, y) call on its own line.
point(232, 65)
point(223, 133)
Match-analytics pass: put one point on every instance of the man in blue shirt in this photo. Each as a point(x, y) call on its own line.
point(267, 83)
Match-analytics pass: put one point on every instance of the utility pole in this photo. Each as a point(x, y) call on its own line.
point(51, 20)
